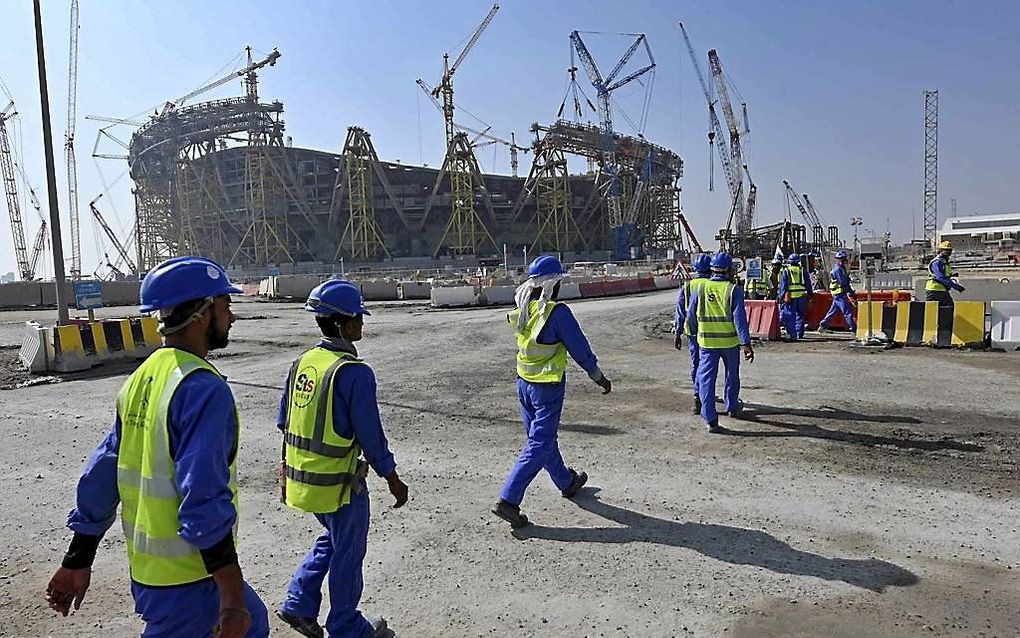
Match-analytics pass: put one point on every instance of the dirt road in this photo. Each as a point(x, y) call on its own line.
point(872, 494)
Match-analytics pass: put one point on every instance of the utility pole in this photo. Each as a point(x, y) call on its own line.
point(51, 176)
point(931, 166)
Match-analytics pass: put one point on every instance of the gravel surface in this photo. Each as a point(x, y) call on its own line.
point(871, 493)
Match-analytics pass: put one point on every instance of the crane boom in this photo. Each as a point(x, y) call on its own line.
point(121, 250)
point(474, 39)
point(715, 134)
point(38, 246)
point(269, 60)
point(690, 233)
point(72, 168)
point(737, 187)
point(799, 203)
point(816, 219)
point(11, 190)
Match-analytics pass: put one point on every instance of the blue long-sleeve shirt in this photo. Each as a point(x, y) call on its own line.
point(680, 312)
point(784, 283)
point(202, 445)
point(840, 275)
point(355, 411)
point(939, 268)
point(562, 327)
point(739, 312)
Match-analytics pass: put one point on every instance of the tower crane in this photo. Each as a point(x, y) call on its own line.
point(121, 250)
point(72, 169)
point(25, 270)
point(737, 187)
point(623, 230)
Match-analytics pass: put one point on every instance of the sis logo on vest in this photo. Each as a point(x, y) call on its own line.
point(712, 296)
point(304, 386)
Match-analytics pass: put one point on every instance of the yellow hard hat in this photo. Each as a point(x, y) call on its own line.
point(945, 245)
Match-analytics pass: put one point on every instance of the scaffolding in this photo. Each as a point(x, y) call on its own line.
point(362, 238)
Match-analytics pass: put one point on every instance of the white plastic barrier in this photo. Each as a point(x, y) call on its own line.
point(379, 290)
point(415, 290)
point(499, 295)
point(662, 283)
point(1006, 325)
point(454, 296)
point(569, 291)
point(294, 286)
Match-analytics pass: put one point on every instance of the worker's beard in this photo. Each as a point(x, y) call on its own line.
point(216, 339)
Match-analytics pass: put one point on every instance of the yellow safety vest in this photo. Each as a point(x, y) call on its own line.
point(835, 287)
point(796, 287)
point(716, 329)
point(689, 288)
point(321, 467)
point(150, 501)
point(932, 283)
point(538, 362)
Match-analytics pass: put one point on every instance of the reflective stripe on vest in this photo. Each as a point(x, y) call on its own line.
point(320, 465)
point(932, 283)
point(538, 362)
point(716, 329)
point(834, 286)
point(146, 482)
point(689, 288)
point(796, 286)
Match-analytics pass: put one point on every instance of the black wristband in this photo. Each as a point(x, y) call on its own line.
point(81, 552)
point(220, 555)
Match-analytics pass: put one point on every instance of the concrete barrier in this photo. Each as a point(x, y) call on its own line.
point(631, 286)
point(498, 295)
point(646, 284)
point(454, 296)
point(986, 289)
point(570, 291)
point(294, 286)
point(664, 283)
point(49, 293)
point(20, 294)
point(592, 289)
point(380, 290)
point(1006, 325)
point(82, 344)
point(920, 323)
point(120, 293)
point(415, 290)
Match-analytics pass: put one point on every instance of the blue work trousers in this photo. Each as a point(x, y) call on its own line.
point(695, 349)
point(192, 611)
point(792, 315)
point(708, 370)
point(338, 552)
point(541, 406)
point(841, 304)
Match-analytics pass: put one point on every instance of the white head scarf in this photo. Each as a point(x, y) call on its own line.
point(523, 295)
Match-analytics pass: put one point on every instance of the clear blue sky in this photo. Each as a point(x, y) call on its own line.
point(834, 88)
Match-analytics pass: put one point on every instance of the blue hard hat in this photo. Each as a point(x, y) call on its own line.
point(722, 261)
point(181, 279)
point(841, 254)
point(702, 262)
point(336, 297)
point(545, 265)
point(794, 258)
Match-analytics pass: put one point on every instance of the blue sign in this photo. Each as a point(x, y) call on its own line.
point(88, 295)
point(754, 268)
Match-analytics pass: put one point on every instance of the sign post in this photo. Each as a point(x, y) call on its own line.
point(88, 295)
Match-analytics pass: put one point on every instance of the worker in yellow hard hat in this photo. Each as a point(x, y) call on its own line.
point(939, 277)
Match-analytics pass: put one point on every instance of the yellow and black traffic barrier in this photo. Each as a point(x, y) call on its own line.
point(924, 323)
point(84, 344)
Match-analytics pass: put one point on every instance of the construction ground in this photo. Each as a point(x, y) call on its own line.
point(874, 493)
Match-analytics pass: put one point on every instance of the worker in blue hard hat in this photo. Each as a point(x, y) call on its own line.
point(940, 275)
point(716, 315)
point(794, 293)
point(169, 461)
point(546, 333)
point(329, 416)
point(702, 265)
point(842, 294)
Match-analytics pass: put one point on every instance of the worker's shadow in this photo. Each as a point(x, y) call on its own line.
point(757, 414)
point(734, 545)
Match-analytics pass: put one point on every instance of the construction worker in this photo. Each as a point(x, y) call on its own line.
point(170, 462)
point(716, 315)
point(702, 265)
point(794, 293)
point(546, 332)
point(330, 417)
point(757, 289)
point(842, 291)
point(774, 274)
point(939, 272)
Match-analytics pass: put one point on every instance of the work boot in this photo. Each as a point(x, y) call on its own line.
point(697, 405)
point(736, 413)
point(379, 627)
point(510, 513)
point(823, 329)
point(304, 626)
point(715, 428)
point(576, 484)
